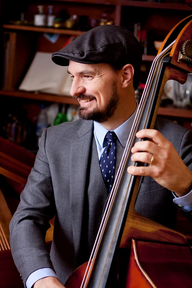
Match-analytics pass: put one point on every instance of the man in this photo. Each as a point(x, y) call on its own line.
point(66, 181)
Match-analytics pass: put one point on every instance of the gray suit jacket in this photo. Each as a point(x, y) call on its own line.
point(66, 182)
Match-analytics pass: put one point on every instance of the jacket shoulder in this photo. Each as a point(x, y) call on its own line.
point(170, 129)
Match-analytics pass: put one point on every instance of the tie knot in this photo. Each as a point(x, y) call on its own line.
point(110, 138)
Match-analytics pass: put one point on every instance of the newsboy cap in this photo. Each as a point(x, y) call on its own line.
point(110, 44)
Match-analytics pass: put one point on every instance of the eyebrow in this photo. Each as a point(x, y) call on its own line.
point(69, 72)
point(94, 71)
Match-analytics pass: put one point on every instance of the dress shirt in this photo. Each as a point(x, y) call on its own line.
point(122, 133)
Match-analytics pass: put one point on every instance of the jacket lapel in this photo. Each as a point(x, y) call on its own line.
point(78, 167)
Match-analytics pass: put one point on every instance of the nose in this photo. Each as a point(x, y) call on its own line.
point(76, 88)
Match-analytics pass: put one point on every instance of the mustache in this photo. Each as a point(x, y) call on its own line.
point(84, 97)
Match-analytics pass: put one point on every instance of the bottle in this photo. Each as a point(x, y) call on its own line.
point(40, 18)
point(60, 118)
point(42, 123)
point(71, 22)
point(50, 16)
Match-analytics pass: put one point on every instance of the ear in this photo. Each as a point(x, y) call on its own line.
point(127, 75)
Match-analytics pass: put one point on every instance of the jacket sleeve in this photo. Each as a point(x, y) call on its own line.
point(31, 219)
point(186, 154)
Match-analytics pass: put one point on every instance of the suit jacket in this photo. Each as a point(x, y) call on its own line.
point(66, 182)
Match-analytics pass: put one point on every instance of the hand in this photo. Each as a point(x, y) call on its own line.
point(48, 282)
point(167, 167)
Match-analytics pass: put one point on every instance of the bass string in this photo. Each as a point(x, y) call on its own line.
point(129, 143)
point(99, 236)
point(141, 106)
point(112, 194)
point(136, 122)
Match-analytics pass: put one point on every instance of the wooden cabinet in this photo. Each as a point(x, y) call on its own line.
point(20, 40)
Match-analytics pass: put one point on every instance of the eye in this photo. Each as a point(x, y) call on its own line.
point(89, 77)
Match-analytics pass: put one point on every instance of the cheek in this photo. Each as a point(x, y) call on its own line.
point(97, 89)
point(103, 94)
point(102, 90)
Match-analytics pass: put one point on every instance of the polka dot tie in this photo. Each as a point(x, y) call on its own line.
point(108, 158)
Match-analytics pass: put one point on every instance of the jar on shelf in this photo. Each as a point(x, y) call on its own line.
point(40, 18)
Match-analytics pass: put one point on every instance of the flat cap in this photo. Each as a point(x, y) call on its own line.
point(110, 44)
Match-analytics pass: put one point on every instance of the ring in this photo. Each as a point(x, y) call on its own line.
point(152, 159)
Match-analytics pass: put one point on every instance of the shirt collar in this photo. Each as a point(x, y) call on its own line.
point(122, 131)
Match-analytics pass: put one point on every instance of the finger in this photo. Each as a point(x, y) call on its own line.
point(143, 170)
point(142, 157)
point(139, 170)
point(146, 146)
point(151, 134)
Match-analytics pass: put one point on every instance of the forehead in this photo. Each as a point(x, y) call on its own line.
point(76, 68)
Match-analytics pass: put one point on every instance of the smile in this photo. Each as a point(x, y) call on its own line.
point(85, 100)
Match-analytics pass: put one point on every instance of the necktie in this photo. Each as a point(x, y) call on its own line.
point(108, 158)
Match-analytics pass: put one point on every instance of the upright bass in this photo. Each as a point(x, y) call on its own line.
point(164, 253)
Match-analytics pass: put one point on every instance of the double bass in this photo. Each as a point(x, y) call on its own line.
point(156, 256)
point(159, 256)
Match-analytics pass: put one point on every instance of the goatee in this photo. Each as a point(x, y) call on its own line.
point(98, 115)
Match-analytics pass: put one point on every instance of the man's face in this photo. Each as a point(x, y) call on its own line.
point(95, 88)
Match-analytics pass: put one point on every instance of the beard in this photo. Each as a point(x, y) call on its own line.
point(98, 115)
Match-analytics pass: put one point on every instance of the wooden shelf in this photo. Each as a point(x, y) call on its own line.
point(42, 29)
point(175, 112)
point(163, 111)
point(39, 96)
point(102, 2)
point(156, 5)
